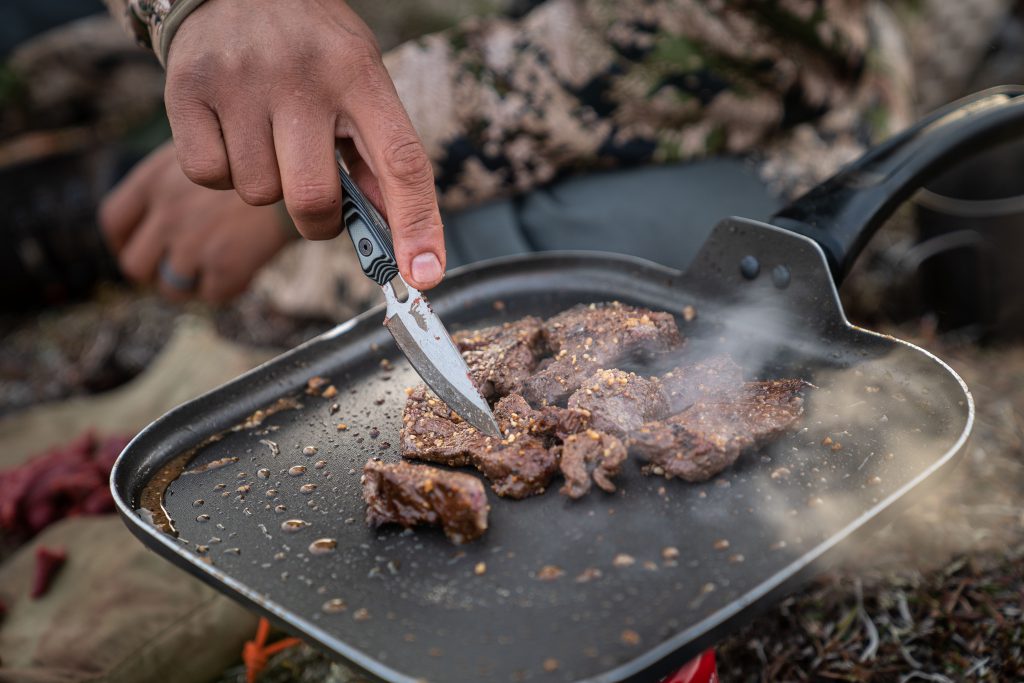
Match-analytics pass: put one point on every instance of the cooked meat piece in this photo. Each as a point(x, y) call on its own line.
point(717, 377)
point(590, 455)
point(501, 357)
point(525, 462)
point(433, 432)
point(407, 494)
point(588, 337)
point(619, 402)
point(550, 421)
point(610, 330)
point(711, 434)
point(691, 422)
point(520, 465)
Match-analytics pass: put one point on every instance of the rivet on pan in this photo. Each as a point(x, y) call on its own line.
point(365, 247)
point(750, 267)
point(781, 276)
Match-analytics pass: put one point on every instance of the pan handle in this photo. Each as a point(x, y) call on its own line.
point(844, 212)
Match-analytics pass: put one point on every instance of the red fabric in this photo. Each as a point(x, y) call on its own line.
point(702, 669)
point(48, 563)
point(65, 481)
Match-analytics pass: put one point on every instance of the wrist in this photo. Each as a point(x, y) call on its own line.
point(180, 10)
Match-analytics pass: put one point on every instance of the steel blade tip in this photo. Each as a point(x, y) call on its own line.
point(489, 425)
point(423, 339)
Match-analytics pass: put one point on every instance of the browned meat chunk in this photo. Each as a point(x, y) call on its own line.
point(410, 495)
point(718, 377)
point(501, 357)
point(433, 432)
point(690, 423)
point(549, 421)
point(588, 456)
point(526, 461)
point(619, 402)
point(519, 465)
point(711, 434)
point(588, 337)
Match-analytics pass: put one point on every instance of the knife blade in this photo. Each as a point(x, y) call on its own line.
point(417, 330)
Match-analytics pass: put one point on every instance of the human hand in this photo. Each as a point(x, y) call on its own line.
point(187, 239)
point(259, 91)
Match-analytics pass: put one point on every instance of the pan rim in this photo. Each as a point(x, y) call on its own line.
point(651, 657)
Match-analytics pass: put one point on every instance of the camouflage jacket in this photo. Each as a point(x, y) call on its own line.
point(504, 104)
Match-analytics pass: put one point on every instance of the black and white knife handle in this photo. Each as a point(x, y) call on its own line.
point(368, 231)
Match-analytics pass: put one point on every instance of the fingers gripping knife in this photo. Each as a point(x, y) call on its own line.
point(417, 330)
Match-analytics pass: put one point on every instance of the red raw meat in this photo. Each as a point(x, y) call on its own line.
point(48, 563)
point(65, 481)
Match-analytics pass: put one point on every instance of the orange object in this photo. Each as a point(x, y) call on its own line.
point(257, 653)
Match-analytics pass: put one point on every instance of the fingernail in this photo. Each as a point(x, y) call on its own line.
point(426, 269)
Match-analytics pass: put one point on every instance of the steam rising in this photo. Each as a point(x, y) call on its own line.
point(881, 415)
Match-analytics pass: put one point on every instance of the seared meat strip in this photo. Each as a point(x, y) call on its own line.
point(409, 495)
point(590, 455)
point(519, 465)
point(502, 356)
point(711, 434)
point(588, 337)
point(619, 402)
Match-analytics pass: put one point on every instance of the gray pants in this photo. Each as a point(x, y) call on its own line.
point(661, 213)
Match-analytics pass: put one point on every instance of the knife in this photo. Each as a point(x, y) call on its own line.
point(417, 330)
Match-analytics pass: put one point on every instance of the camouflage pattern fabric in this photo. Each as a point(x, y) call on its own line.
point(505, 104)
point(153, 22)
point(144, 19)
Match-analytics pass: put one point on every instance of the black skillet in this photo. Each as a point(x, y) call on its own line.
point(672, 566)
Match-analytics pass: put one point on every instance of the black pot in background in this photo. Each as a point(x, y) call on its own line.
point(968, 259)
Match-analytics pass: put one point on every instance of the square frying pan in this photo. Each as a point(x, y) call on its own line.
point(237, 486)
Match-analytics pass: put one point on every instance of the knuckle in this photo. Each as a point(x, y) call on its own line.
point(419, 219)
point(312, 201)
point(193, 79)
point(258, 193)
point(405, 158)
point(204, 169)
point(362, 54)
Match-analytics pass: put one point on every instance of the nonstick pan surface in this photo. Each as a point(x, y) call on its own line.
point(646, 577)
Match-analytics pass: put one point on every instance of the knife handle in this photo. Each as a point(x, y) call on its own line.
point(368, 231)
